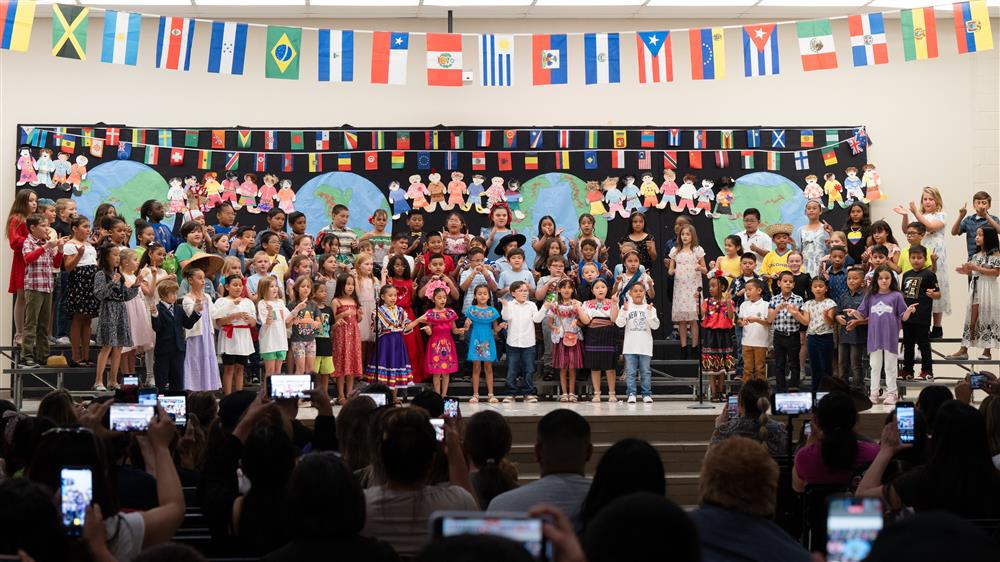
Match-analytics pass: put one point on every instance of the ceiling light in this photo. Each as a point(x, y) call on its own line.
point(815, 3)
point(249, 2)
point(919, 4)
point(137, 4)
point(365, 3)
point(701, 3)
point(600, 3)
point(477, 3)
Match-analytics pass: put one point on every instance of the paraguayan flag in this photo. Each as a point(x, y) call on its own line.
point(121, 37)
point(336, 55)
point(228, 47)
point(496, 59)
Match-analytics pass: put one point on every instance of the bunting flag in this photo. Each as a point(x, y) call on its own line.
point(801, 160)
point(296, 140)
point(694, 159)
point(111, 135)
point(315, 163)
point(243, 138)
point(478, 161)
point(708, 53)
point(816, 45)
point(562, 160)
point(371, 160)
point(700, 139)
point(69, 31)
point(563, 138)
point(423, 160)
point(721, 159)
point(336, 56)
point(655, 57)
point(592, 138)
point(67, 145)
point(344, 162)
point(450, 160)
point(350, 140)
point(322, 140)
point(829, 157)
point(16, 20)
point(590, 160)
point(431, 140)
point(191, 138)
point(919, 34)
point(620, 138)
point(669, 159)
point(85, 136)
point(643, 161)
point(398, 160)
point(59, 134)
point(227, 48)
point(483, 138)
point(549, 63)
point(232, 160)
point(726, 138)
point(602, 58)
point(496, 60)
point(173, 43)
point(856, 146)
point(778, 138)
point(760, 50)
point(287, 162)
point(281, 58)
point(28, 135)
point(868, 44)
point(504, 162)
point(97, 148)
point(177, 157)
point(753, 138)
point(124, 151)
point(530, 160)
point(647, 139)
point(535, 138)
point(832, 137)
point(138, 136)
point(152, 156)
point(378, 140)
point(389, 53)
point(806, 138)
point(205, 159)
point(270, 140)
point(121, 37)
point(457, 141)
point(674, 137)
point(510, 138)
point(618, 159)
point(165, 138)
point(746, 158)
point(444, 59)
point(773, 161)
point(218, 138)
point(972, 26)
point(402, 140)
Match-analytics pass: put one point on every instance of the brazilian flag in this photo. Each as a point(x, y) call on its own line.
point(69, 31)
point(284, 45)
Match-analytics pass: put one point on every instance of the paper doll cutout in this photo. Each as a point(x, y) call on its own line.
point(196, 194)
point(45, 166)
point(705, 198)
point(248, 193)
point(595, 196)
point(853, 185)
point(686, 193)
point(872, 183)
point(268, 193)
point(397, 198)
point(614, 198)
point(175, 195)
point(417, 192)
point(632, 193)
point(213, 189)
point(286, 197)
point(648, 189)
point(229, 187)
point(77, 173)
point(514, 199)
point(456, 192)
point(495, 193)
point(61, 171)
point(26, 164)
point(812, 189)
point(724, 198)
point(476, 191)
point(436, 191)
point(833, 190)
point(669, 191)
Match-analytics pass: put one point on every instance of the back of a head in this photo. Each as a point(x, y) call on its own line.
point(933, 537)
point(407, 446)
point(323, 499)
point(74, 448)
point(755, 397)
point(630, 465)
point(170, 552)
point(836, 416)
point(352, 431)
point(990, 408)
point(930, 400)
point(204, 405)
point(487, 442)
point(58, 406)
point(474, 548)
point(233, 406)
point(380, 388)
point(30, 521)
point(958, 446)
point(268, 457)
point(563, 441)
point(739, 474)
point(430, 401)
point(667, 532)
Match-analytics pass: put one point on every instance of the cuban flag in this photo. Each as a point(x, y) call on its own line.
point(389, 53)
point(496, 59)
point(602, 58)
point(228, 48)
point(173, 43)
point(868, 44)
point(760, 50)
point(655, 58)
point(121, 37)
point(549, 64)
point(336, 55)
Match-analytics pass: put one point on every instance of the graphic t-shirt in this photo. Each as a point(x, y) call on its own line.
point(324, 347)
point(914, 287)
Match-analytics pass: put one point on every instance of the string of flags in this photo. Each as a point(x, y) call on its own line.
point(337, 60)
point(341, 149)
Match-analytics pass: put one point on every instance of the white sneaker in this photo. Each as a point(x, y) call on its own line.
point(508, 399)
point(890, 398)
point(62, 341)
point(873, 397)
point(631, 399)
point(647, 399)
point(100, 388)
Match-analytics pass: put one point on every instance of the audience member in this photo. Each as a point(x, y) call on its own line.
point(833, 452)
point(58, 406)
point(30, 522)
point(930, 399)
point(658, 522)
point(990, 408)
point(352, 431)
point(171, 552)
point(752, 420)
point(474, 548)
point(487, 443)
point(630, 465)
point(920, 538)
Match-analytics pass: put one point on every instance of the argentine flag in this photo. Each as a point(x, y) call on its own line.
point(121, 37)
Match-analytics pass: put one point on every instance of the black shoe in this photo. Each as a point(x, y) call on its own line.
point(28, 362)
point(936, 333)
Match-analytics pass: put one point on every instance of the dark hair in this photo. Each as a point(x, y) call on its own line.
point(34, 219)
point(319, 481)
point(882, 226)
point(382, 291)
point(821, 280)
point(865, 223)
point(587, 242)
point(57, 449)
point(917, 249)
point(295, 215)
point(474, 548)
point(563, 439)
point(785, 273)
point(837, 415)
point(337, 209)
point(880, 249)
point(930, 400)
point(516, 285)
point(170, 552)
point(990, 242)
point(755, 399)
point(646, 515)
point(475, 252)
point(78, 221)
point(103, 255)
point(58, 406)
point(266, 237)
point(407, 447)
point(738, 242)
point(189, 227)
point(918, 226)
point(338, 292)
point(630, 465)
point(487, 443)
point(981, 196)
point(838, 249)
point(893, 284)
point(755, 283)
point(515, 252)
point(748, 256)
point(31, 521)
point(430, 401)
point(147, 208)
point(433, 257)
point(101, 212)
point(390, 266)
point(108, 223)
point(352, 431)
point(433, 234)
point(751, 211)
point(412, 213)
point(268, 460)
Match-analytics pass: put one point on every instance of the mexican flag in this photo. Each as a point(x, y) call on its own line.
point(816, 45)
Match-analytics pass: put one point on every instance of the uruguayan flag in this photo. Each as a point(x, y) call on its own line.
point(496, 59)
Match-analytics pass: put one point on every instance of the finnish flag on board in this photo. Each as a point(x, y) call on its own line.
point(602, 57)
point(336, 55)
point(228, 47)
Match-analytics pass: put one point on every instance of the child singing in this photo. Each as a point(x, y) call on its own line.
point(113, 331)
point(639, 320)
point(520, 316)
point(303, 337)
point(717, 341)
point(236, 318)
point(983, 314)
point(482, 319)
point(598, 315)
point(201, 367)
point(275, 319)
point(441, 356)
point(390, 364)
point(346, 335)
point(564, 322)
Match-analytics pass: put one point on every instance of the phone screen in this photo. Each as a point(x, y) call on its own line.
point(176, 408)
point(732, 405)
point(130, 381)
point(378, 397)
point(524, 530)
point(130, 417)
point(852, 525)
point(786, 403)
point(289, 386)
point(438, 424)
point(76, 492)
point(450, 408)
point(819, 396)
point(147, 397)
point(904, 421)
point(976, 381)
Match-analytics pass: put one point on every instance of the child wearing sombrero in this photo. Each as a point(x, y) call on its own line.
point(776, 260)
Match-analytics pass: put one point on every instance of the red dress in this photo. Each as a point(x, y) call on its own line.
point(347, 343)
point(442, 358)
point(414, 342)
point(17, 233)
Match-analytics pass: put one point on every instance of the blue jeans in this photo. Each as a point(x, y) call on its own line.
point(738, 348)
point(639, 363)
point(520, 368)
point(820, 349)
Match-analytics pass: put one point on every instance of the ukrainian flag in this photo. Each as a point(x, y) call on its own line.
point(972, 27)
point(708, 53)
point(16, 19)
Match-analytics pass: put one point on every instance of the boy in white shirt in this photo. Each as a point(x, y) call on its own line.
point(754, 314)
point(639, 320)
point(519, 318)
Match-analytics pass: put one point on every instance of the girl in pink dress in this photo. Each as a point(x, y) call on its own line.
point(441, 356)
point(346, 336)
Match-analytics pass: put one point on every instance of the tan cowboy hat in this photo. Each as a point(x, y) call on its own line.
point(780, 228)
point(209, 263)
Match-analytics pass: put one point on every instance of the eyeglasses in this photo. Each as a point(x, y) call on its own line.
point(909, 234)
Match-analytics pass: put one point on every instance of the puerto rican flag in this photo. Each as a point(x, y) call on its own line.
point(655, 58)
point(173, 43)
point(868, 44)
point(389, 53)
point(760, 50)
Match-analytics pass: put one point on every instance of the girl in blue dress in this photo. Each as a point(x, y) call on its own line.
point(482, 343)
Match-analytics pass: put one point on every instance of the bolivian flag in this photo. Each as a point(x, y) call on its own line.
point(919, 34)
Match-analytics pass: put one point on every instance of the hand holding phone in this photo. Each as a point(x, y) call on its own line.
point(451, 409)
point(905, 421)
point(76, 492)
point(852, 526)
point(732, 406)
point(438, 424)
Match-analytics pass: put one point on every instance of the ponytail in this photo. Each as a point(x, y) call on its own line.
point(763, 405)
point(754, 398)
point(836, 415)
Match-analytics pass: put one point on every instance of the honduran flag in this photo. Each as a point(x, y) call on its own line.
point(228, 47)
point(708, 53)
point(972, 26)
point(549, 64)
point(336, 55)
point(389, 53)
point(760, 50)
point(602, 58)
point(868, 44)
point(173, 43)
point(655, 58)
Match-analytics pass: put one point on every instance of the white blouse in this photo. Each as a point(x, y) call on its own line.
point(235, 341)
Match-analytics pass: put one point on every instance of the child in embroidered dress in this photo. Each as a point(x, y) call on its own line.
point(482, 319)
point(236, 318)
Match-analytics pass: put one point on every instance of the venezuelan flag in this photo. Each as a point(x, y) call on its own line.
point(708, 53)
point(16, 19)
point(972, 26)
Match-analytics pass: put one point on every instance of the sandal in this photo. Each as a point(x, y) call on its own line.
point(492, 399)
point(474, 399)
point(564, 398)
point(596, 398)
point(612, 398)
point(573, 398)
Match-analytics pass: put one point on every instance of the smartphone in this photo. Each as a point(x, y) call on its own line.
point(130, 417)
point(819, 396)
point(732, 405)
point(130, 380)
point(792, 403)
point(852, 524)
point(147, 396)
point(518, 527)
point(76, 492)
point(451, 410)
point(438, 424)
point(976, 380)
point(904, 421)
point(289, 386)
point(807, 429)
point(176, 408)
point(378, 397)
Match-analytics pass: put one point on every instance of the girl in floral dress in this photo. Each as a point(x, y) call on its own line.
point(367, 289)
point(399, 277)
point(687, 264)
point(482, 318)
point(346, 334)
point(441, 357)
point(390, 365)
point(810, 239)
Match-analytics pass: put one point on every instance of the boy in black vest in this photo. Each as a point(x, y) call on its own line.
point(169, 323)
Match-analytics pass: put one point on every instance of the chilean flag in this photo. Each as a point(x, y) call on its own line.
point(549, 64)
point(868, 44)
point(760, 50)
point(173, 43)
point(389, 52)
point(655, 58)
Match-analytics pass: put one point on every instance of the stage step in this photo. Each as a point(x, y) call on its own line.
point(682, 487)
point(677, 456)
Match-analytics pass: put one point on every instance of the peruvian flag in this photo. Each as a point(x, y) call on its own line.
point(444, 59)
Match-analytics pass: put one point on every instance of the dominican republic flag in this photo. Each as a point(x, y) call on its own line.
point(173, 43)
point(655, 58)
point(444, 59)
point(549, 64)
point(602, 58)
point(760, 50)
point(121, 37)
point(389, 52)
point(868, 39)
point(496, 59)
point(228, 48)
point(336, 55)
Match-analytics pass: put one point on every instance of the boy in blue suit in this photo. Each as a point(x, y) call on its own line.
point(169, 323)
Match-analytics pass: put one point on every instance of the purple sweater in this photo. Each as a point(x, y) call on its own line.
point(885, 315)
